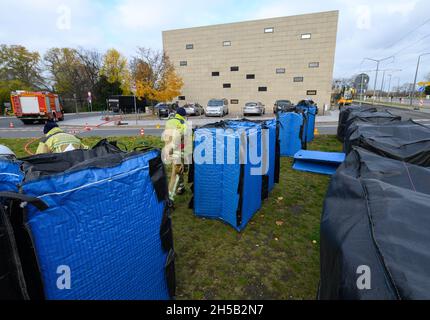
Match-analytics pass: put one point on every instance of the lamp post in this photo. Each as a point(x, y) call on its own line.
point(415, 80)
point(378, 61)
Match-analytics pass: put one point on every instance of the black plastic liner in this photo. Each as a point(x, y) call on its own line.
point(377, 118)
point(376, 214)
point(343, 117)
point(405, 141)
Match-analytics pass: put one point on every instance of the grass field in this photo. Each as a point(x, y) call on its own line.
point(275, 257)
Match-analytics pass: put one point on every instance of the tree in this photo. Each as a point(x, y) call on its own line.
point(154, 76)
point(115, 69)
point(74, 72)
point(21, 66)
point(427, 91)
point(104, 89)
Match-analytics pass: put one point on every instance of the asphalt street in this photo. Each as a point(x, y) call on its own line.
point(33, 131)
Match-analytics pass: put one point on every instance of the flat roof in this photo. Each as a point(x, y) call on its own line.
point(257, 20)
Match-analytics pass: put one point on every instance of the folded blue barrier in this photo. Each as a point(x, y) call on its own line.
point(317, 161)
point(291, 131)
point(100, 225)
point(227, 186)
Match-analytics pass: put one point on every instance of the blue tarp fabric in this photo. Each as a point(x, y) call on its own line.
point(290, 129)
point(106, 229)
point(231, 189)
point(10, 175)
point(311, 112)
point(318, 161)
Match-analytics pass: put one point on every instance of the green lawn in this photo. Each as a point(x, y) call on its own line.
point(275, 257)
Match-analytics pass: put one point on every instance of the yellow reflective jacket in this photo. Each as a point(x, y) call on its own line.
point(57, 141)
point(174, 137)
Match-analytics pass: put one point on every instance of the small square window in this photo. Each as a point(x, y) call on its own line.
point(311, 92)
point(280, 70)
point(189, 46)
point(215, 74)
point(306, 36)
point(298, 79)
point(183, 63)
point(234, 68)
point(314, 64)
point(226, 43)
point(181, 98)
point(261, 89)
point(226, 85)
point(250, 76)
point(234, 101)
point(269, 30)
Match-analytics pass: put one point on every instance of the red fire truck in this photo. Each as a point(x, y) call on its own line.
point(36, 106)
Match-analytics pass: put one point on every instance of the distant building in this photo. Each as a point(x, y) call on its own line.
point(262, 60)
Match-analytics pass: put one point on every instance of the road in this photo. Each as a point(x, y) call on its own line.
point(34, 131)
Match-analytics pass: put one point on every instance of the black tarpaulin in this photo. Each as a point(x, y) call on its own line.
point(376, 214)
point(405, 141)
point(343, 117)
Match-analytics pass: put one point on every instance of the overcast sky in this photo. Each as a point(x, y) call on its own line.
point(367, 28)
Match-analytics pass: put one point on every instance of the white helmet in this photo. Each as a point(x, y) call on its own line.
point(5, 152)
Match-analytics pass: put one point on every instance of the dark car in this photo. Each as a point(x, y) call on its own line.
point(194, 109)
point(283, 105)
point(163, 110)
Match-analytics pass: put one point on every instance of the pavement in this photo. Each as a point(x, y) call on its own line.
point(95, 124)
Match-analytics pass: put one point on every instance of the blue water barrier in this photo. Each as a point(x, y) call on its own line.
point(311, 112)
point(100, 225)
point(10, 175)
point(227, 186)
point(291, 132)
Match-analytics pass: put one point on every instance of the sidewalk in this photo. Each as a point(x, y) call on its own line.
point(98, 121)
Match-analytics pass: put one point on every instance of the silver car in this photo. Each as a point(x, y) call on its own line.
point(194, 109)
point(217, 107)
point(254, 108)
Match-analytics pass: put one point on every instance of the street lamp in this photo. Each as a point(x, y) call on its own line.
point(377, 70)
point(415, 79)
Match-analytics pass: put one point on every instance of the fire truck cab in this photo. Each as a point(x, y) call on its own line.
point(36, 106)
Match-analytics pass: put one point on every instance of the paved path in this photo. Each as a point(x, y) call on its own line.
point(76, 124)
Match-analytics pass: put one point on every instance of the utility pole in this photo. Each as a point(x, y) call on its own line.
point(361, 89)
point(378, 61)
point(76, 103)
point(389, 86)
point(135, 107)
point(415, 80)
point(382, 85)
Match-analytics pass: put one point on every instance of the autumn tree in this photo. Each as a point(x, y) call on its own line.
point(21, 65)
point(20, 69)
point(115, 69)
point(154, 76)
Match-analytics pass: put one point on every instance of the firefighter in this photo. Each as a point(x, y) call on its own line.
point(57, 141)
point(176, 151)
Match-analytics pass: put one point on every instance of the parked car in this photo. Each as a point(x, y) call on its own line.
point(217, 107)
point(162, 110)
point(283, 105)
point(194, 109)
point(254, 108)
